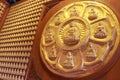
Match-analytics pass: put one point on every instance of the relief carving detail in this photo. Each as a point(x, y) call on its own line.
point(78, 38)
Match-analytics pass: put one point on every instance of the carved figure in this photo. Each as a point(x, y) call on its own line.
point(69, 62)
point(100, 32)
point(91, 54)
point(58, 22)
point(71, 37)
point(92, 15)
point(73, 12)
point(53, 55)
point(49, 37)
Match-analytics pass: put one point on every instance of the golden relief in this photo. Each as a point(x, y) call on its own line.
point(71, 36)
point(92, 15)
point(100, 32)
point(69, 62)
point(79, 38)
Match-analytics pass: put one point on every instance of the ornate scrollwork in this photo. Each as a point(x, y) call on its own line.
point(78, 38)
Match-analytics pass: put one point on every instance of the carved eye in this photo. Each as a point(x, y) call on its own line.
point(81, 45)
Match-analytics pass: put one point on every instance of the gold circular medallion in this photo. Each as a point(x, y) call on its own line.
point(80, 39)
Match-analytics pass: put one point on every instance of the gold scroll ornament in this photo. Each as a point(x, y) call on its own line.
point(79, 39)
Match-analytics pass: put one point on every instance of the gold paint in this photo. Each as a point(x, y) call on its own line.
point(80, 37)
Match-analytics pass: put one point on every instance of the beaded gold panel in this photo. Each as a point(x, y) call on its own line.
point(2, 9)
point(16, 38)
point(80, 39)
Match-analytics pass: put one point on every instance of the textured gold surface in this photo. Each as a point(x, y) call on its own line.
point(2, 8)
point(16, 38)
point(80, 39)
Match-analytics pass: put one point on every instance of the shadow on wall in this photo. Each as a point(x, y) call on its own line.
point(12, 1)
